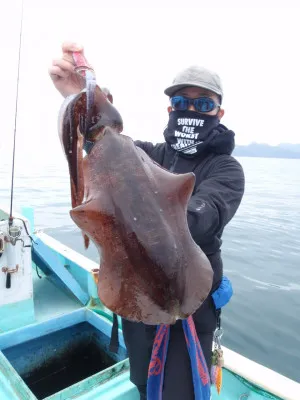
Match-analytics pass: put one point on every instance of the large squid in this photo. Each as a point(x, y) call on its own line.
point(134, 211)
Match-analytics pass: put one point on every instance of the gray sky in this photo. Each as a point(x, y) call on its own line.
point(136, 52)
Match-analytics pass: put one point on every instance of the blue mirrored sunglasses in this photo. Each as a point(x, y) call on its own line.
point(201, 104)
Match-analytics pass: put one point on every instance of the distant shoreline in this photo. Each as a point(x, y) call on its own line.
point(261, 156)
point(260, 150)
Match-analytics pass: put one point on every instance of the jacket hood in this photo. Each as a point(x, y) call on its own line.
point(222, 141)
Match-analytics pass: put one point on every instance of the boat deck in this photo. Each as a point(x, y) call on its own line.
point(49, 300)
point(56, 309)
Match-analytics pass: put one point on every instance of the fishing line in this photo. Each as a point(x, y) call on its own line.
point(16, 112)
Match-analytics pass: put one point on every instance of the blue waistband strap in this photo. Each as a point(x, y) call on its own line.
point(201, 378)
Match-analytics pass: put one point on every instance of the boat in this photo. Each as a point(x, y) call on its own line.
point(55, 332)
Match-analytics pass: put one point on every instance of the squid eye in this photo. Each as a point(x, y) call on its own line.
point(95, 119)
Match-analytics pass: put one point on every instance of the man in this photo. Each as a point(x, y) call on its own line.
point(196, 141)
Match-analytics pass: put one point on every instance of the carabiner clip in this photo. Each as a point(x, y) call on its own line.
point(217, 336)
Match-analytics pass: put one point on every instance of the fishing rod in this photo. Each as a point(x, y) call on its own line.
point(10, 220)
point(14, 262)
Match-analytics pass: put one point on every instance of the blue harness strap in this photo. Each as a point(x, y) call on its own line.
point(157, 363)
point(201, 378)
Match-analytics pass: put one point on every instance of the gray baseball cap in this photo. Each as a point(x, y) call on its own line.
point(196, 76)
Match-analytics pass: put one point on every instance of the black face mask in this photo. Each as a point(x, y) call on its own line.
point(187, 131)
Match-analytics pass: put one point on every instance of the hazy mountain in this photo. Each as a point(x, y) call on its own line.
point(283, 150)
point(290, 146)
